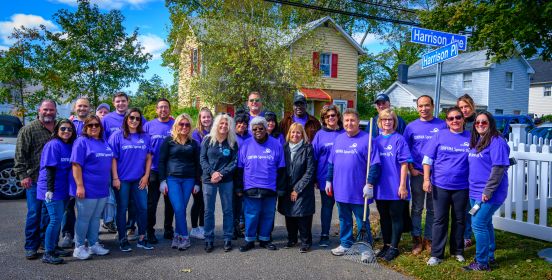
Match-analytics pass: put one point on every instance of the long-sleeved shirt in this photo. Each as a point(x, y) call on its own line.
point(179, 160)
point(30, 142)
point(219, 157)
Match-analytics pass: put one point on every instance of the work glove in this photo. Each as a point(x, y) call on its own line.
point(163, 188)
point(368, 191)
point(48, 197)
point(197, 188)
point(328, 188)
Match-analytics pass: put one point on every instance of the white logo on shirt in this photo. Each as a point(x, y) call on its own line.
point(465, 144)
point(354, 145)
point(267, 151)
point(435, 130)
point(108, 149)
point(389, 147)
point(141, 141)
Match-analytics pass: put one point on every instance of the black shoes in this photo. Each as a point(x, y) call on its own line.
point(110, 227)
point(59, 252)
point(209, 247)
point(152, 238)
point(382, 252)
point(268, 245)
point(247, 246)
point(304, 248)
point(51, 258)
point(391, 254)
point(31, 254)
point(237, 233)
point(227, 246)
point(290, 244)
point(169, 234)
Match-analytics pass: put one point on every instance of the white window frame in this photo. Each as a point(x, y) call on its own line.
point(467, 80)
point(547, 90)
point(329, 64)
point(499, 111)
point(509, 82)
point(341, 104)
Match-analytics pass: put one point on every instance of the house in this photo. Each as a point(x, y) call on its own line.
point(336, 57)
point(500, 88)
point(540, 92)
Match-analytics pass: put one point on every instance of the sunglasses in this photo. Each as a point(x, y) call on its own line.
point(258, 129)
point(457, 117)
point(65, 129)
point(482, 123)
point(255, 100)
point(134, 118)
point(93, 125)
point(184, 124)
point(327, 116)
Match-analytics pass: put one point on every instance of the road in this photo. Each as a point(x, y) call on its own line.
point(166, 263)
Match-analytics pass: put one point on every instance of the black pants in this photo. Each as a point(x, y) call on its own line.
point(197, 214)
point(237, 213)
point(153, 199)
point(445, 203)
point(391, 220)
point(303, 225)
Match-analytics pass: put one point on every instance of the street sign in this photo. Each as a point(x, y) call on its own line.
point(437, 38)
point(440, 55)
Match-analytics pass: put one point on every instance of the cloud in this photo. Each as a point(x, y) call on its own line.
point(3, 48)
point(371, 38)
point(109, 4)
point(152, 44)
point(18, 20)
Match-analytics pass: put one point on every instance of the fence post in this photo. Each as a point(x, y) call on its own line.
point(519, 133)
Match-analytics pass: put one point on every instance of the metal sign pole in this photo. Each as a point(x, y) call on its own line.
point(438, 89)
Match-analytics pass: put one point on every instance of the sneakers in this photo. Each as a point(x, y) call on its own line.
point(98, 249)
point(31, 254)
point(209, 247)
point(144, 244)
point(227, 246)
point(475, 266)
point(59, 252)
point(468, 243)
point(66, 241)
point(131, 235)
point(339, 251)
point(81, 253)
point(124, 246)
point(175, 242)
point(197, 233)
point(110, 227)
point(433, 261)
point(324, 241)
point(184, 243)
point(290, 244)
point(459, 258)
point(391, 254)
point(416, 245)
point(268, 245)
point(51, 259)
point(382, 252)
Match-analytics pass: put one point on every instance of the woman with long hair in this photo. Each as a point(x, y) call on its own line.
point(130, 171)
point(179, 173)
point(273, 127)
point(488, 179)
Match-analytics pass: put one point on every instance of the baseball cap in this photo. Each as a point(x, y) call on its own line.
point(103, 105)
point(382, 97)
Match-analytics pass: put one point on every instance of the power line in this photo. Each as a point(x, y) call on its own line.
point(335, 11)
point(386, 6)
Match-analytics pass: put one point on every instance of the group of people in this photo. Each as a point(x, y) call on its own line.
point(119, 165)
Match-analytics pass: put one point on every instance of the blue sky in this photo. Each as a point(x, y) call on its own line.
point(149, 16)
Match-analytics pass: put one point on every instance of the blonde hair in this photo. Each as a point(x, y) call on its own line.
point(199, 126)
point(175, 131)
point(297, 126)
point(231, 137)
point(386, 114)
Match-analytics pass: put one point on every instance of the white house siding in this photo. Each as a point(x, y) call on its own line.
point(509, 100)
point(401, 98)
point(538, 103)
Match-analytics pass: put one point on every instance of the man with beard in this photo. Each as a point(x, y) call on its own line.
point(30, 142)
point(300, 115)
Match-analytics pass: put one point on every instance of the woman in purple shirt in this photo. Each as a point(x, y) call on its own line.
point(322, 144)
point(488, 161)
point(130, 171)
point(91, 159)
point(273, 127)
point(445, 166)
point(53, 185)
point(204, 123)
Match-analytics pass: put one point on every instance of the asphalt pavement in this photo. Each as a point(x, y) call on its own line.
point(166, 263)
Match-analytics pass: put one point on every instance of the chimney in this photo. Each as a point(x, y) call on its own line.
point(403, 73)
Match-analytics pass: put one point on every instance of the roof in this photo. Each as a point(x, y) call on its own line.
point(467, 61)
point(315, 94)
point(424, 89)
point(543, 71)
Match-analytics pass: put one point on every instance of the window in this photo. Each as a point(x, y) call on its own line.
point(467, 80)
point(499, 112)
point(194, 61)
point(509, 80)
point(517, 112)
point(548, 90)
point(325, 64)
point(341, 104)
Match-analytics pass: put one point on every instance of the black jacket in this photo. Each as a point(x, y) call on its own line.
point(219, 157)
point(178, 160)
point(300, 177)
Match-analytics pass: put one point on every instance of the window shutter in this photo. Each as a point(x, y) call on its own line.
point(191, 62)
point(315, 61)
point(350, 104)
point(334, 65)
point(230, 110)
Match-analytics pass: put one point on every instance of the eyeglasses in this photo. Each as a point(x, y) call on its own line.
point(253, 100)
point(457, 117)
point(387, 120)
point(134, 118)
point(258, 129)
point(65, 129)
point(482, 123)
point(93, 125)
point(184, 124)
point(327, 116)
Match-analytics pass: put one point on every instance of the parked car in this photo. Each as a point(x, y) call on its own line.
point(503, 123)
point(10, 187)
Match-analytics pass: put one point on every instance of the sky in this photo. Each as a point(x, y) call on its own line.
point(149, 16)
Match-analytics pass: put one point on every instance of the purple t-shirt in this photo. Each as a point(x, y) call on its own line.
point(241, 138)
point(260, 163)
point(131, 154)
point(449, 152)
point(302, 121)
point(113, 122)
point(349, 157)
point(417, 134)
point(56, 153)
point(322, 144)
point(496, 154)
point(280, 139)
point(78, 126)
point(94, 156)
point(196, 136)
point(393, 151)
point(157, 131)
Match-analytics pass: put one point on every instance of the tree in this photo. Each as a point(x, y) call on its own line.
point(149, 91)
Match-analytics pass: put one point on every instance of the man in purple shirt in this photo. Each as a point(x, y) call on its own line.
point(158, 129)
point(417, 134)
point(300, 115)
point(81, 110)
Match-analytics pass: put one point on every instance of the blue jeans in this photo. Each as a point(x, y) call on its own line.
point(326, 211)
point(418, 199)
point(68, 222)
point(37, 220)
point(346, 211)
point(468, 229)
point(259, 213)
point(110, 209)
point(210, 197)
point(56, 208)
point(180, 190)
point(140, 199)
point(87, 226)
point(482, 224)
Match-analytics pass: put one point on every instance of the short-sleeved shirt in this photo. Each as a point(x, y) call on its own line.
point(114, 122)
point(79, 125)
point(157, 131)
point(55, 153)
point(260, 163)
point(131, 154)
point(449, 152)
point(349, 157)
point(417, 134)
point(496, 154)
point(198, 137)
point(94, 156)
point(322, 146)
point(393, 151)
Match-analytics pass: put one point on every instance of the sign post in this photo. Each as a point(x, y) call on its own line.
point(437, 89)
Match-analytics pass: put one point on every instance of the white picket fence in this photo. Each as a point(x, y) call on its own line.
point(529, 191)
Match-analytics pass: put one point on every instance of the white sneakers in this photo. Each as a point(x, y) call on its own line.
point(339, 251)
point(197, 233)
point(81, 253)
point(98, 249)
point(433, 261)
point(183, 243)
point(459, 258)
